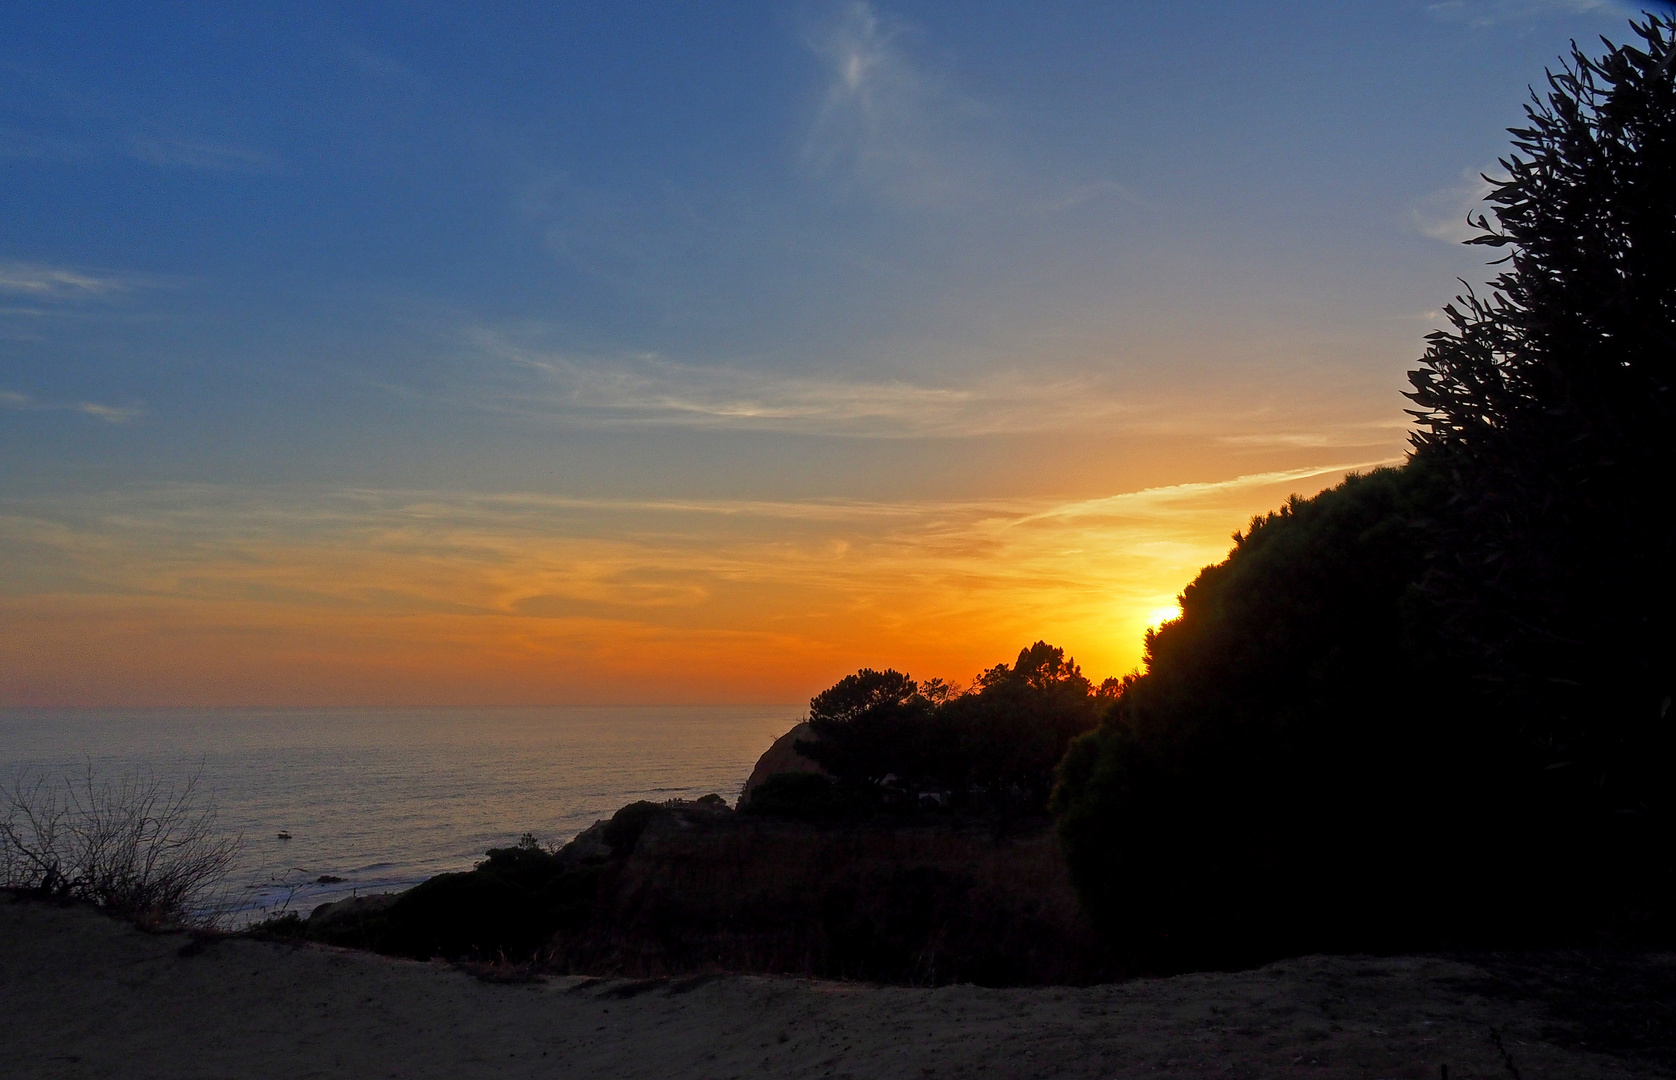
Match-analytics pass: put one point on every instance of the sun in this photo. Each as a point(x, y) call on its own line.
point(1158, 616)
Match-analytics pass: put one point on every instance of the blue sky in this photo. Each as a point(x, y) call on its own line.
point(255, 263)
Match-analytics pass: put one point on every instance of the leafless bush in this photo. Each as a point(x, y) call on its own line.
point(137, 846)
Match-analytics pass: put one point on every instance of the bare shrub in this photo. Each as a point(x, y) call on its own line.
point(137, 846)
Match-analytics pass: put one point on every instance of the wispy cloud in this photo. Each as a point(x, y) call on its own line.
point(505, 373)
point(1157, 500)
point(1486, 13)
point(1069, 198)
point(58, 283)
point(649, 390)
point(1331, 430)
point(345, 49)
point(889, 124)
point(1442, 214)
point(110, 414)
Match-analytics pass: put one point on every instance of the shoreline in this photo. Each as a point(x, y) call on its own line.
point(82, 995)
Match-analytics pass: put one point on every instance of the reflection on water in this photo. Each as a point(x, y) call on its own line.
point(383, 798)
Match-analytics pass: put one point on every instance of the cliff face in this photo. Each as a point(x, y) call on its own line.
point(928, 901)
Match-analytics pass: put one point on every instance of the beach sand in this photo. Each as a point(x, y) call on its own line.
point(82, 995)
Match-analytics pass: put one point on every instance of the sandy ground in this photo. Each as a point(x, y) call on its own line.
point(84, 996)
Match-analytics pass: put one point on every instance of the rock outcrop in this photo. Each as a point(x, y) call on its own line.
point(782, 757)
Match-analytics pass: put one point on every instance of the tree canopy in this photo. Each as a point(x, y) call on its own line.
point(1550, 404)
point(1265, 784)
point(1432, 705)
point(887, 738)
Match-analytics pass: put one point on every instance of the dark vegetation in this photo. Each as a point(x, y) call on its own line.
point(809, 796)
point(1432, 705)
point(677, 888)
point(892, 745)
point(507, 907)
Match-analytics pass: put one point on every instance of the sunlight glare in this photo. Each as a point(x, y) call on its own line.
point(1158, 616)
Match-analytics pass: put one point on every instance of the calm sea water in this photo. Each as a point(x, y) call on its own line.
point(385, 798)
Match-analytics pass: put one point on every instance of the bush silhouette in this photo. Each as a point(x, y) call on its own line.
point(134, 845)
point(508, 907)
point(623, 831)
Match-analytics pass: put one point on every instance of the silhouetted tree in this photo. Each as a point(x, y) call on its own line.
point(1014, 725)
point(868, 726)
point(1417, 707)
point(1264, 785)
point(998, 742)
point(1550, 404)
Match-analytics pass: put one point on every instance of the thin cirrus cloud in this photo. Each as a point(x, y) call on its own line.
point(58, 283)
point(110, 414)
point(71, 120)
point(889, 125)
point(446, 595)
point(1447, 213)
point(649, 390)
point(1488, 13)
point(207, 155)
point(1365, 433)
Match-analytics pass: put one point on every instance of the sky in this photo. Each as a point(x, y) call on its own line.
point(697, 352)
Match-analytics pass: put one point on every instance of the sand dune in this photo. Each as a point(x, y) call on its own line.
point(84, 996)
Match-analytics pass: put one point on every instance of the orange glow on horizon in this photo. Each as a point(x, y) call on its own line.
point(429, 598)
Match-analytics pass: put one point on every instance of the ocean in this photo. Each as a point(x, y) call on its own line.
point(385, 798)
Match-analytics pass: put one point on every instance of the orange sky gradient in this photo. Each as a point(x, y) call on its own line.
point(562, 355)
point(205, 597)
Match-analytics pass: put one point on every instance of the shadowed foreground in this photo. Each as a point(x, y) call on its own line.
point(84, 996)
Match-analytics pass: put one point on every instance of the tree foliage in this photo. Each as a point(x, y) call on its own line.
point(888, 739)
point(871, 725)
point(1433, 704)
point(1011, 730)
point(1550, 403)
point(1262, 786)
